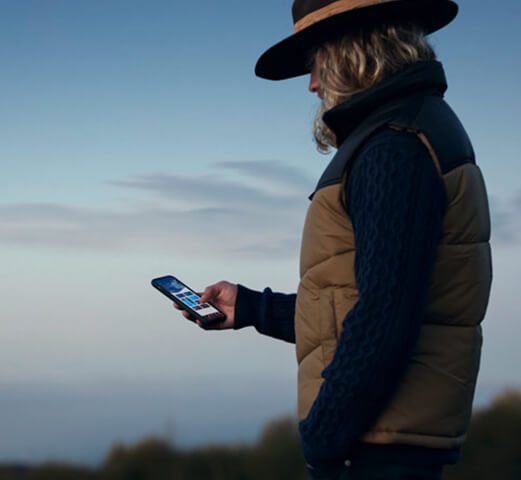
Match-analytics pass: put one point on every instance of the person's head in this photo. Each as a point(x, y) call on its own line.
point(355, 44)
point(359, 60)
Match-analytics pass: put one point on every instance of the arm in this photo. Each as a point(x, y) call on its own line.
point(272, 314)
point(396, 201)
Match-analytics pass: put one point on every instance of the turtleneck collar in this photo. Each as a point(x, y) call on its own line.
point(421, 77)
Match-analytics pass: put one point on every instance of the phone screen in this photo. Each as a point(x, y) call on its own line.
point(186, 296)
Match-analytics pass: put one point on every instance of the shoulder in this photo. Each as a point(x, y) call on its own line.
point(387, 165)
point(389, 141)
point(390, 153)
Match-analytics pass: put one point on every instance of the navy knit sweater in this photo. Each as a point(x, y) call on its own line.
point(396, 201)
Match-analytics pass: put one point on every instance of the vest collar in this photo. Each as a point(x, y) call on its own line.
point(425, 77)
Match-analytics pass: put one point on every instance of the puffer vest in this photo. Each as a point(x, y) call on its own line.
point(431, 406)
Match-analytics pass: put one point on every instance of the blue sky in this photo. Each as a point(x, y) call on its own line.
point(136, 141)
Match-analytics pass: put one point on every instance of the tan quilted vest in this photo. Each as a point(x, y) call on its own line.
point(433, 402)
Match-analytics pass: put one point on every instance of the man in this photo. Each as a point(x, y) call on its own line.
point(395, 261)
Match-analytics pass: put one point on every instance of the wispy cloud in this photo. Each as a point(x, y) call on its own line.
point(258, 213)
point(258, 184)
point(275, 173)
point(249, 209)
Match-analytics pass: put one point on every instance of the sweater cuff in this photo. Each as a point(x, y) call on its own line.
point(247, 306)
point(317, 454)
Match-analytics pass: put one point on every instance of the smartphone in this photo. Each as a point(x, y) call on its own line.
point(187, 299)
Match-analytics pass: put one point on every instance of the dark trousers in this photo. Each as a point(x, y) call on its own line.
point(378, 472)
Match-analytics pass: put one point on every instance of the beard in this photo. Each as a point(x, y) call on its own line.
point(323, 135)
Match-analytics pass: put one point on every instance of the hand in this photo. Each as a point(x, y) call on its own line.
point(223, 296)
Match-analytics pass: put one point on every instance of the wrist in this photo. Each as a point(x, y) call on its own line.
point(246, 307)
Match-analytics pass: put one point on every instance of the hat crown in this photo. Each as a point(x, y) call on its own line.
point(316, 21)
point(308, 12)
point(301, 8)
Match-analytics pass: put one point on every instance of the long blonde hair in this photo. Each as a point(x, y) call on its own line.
point(358, 61)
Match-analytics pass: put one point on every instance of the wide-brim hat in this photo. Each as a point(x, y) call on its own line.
point(316, 21)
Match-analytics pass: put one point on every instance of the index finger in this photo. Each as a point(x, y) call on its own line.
point(209, 292)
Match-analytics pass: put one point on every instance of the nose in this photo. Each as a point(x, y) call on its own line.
point(314, 83)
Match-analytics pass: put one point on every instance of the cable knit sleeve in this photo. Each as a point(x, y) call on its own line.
point(272, 314)
point(396, 201)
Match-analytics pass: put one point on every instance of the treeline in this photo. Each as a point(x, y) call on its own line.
point(493, 447)
point(493, 450)
point(276, 455)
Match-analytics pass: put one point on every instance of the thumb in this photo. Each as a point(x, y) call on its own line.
point(209, 293)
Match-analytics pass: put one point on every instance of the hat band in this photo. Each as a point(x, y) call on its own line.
point(333, 9)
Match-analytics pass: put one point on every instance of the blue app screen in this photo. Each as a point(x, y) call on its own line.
point(187, 296)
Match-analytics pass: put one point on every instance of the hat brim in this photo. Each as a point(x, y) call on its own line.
point(290, 57)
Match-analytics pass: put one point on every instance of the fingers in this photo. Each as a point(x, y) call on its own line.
point(215, 294)
point(208, 327)
point(188, 316)
point(184, 312)
point(210, 293)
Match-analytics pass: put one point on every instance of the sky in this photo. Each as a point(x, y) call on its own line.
point(135, 141)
